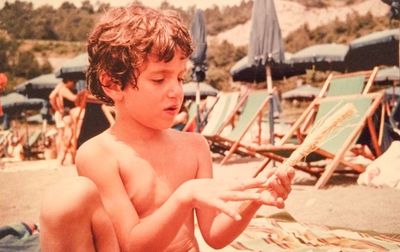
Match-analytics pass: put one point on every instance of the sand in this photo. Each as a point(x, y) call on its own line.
point(342, 203)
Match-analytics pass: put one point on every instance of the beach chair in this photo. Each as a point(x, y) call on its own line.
point(33, 146)
point(4, 134)
point(220, 114)
point(191, 106)
point(251, 108)
point(349, 83)
point(334, 86)
point(336, 145)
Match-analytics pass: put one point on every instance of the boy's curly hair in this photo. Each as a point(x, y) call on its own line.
point(124, 38)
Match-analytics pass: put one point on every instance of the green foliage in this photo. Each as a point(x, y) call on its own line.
point(65, 23)
point(8, 47)
point(338, 31)
point(219, 20)
point(221, 57)
point(26, 65)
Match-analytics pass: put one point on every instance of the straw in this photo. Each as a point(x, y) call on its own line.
point(313, 140)
point(319, 134)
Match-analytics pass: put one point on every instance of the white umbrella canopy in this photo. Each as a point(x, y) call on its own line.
point(14, 103)
point(374, 49)
point(38, 87)
point(74, 68)
point(388, 74)
point(330, 56)
point(189, 90)
point(304, 92)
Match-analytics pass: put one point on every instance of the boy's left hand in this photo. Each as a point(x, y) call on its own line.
point(278, 187)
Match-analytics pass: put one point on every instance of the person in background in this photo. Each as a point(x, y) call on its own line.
point(3, 84)
point(62, 99)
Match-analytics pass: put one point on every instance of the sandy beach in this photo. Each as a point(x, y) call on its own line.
point(342, 203)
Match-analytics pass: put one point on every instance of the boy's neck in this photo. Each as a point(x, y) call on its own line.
point(133, 131)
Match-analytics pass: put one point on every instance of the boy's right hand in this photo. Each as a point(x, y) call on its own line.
point(213, 193)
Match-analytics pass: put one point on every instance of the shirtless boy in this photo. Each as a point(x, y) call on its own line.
point(142, 184)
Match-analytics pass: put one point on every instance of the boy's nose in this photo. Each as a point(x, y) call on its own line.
point(175, 90)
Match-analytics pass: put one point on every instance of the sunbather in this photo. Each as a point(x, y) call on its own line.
point(141, 182)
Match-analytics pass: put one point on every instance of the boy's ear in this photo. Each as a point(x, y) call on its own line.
point(112, 89)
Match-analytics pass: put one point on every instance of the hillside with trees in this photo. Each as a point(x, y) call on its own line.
point(29, 36)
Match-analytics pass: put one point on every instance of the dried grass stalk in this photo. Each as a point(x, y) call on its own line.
point(313, 140)
point(319, 135)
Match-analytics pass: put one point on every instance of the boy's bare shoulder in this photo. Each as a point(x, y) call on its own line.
point(189, 139)
point(95, 151)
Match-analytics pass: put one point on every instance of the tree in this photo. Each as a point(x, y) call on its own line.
point(87, 6)
point(26, 65)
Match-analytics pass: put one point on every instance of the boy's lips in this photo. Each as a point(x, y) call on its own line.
point(173, 109)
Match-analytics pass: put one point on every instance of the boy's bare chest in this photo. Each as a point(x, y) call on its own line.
point(150, 181)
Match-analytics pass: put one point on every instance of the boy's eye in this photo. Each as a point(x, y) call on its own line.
point(158, 80)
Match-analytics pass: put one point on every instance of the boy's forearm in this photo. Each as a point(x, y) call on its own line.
point(163, 224)
point(224, 229)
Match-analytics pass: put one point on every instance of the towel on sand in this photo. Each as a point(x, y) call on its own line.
point(281, 232)
point(18, 237)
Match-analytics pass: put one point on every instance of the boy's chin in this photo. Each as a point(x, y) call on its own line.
point(163, 126)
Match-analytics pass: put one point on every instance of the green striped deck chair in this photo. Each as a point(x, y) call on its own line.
point(349, 83)
point(230, 143)
point(192, 112)
point(339, 85)
point(335, 146)
point(223, 110)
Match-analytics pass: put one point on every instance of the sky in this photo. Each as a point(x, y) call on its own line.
point(154, 3)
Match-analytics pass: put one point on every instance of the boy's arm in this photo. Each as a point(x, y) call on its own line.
point(218, 229)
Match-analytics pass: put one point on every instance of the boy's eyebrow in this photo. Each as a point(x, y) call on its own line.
point(166, 71)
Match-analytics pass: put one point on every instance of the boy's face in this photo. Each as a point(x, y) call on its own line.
point(159, 95)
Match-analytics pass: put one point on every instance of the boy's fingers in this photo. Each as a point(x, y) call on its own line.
point(284, 180)
point(291, 173)
point(275, 186)
point(248, 184)
point(270, 199)
point(269, 172)
point(240, 196)
point(223, 207)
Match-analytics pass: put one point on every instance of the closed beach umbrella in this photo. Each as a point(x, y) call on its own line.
point(374, 49)
point(190, 89)
point(38, 87)
point(304, 92)
point(199, 55)
point(322, 57)
point(74, 68)
point(266, 45)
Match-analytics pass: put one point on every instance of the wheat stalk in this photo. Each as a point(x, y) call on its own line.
point(313, 140)
point(319, 135)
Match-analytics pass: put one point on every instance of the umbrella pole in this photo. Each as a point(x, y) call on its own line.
point(198, 118)
point(271, 104)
